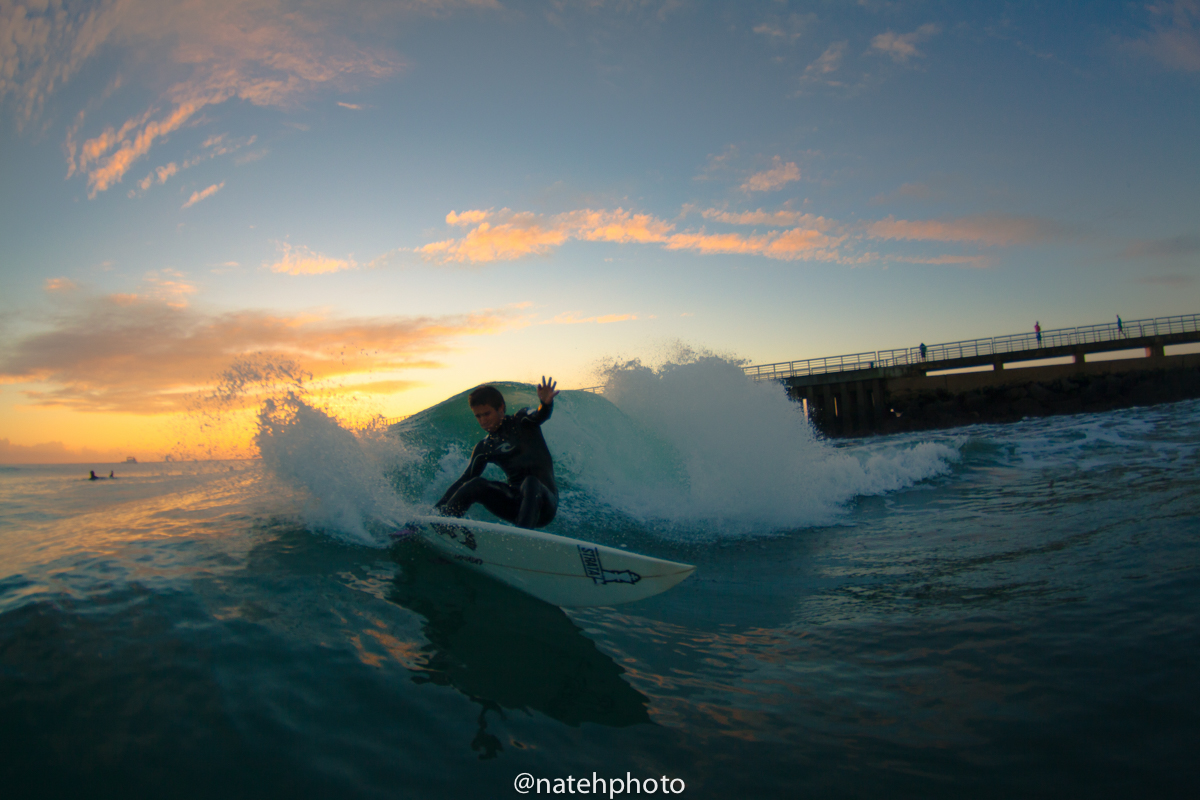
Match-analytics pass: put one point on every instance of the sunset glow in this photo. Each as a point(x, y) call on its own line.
point(405, 199)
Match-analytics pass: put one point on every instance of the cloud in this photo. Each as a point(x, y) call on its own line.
point(42, 46)
point(788, 245)
point(197, 196)
point(1173, 247)
point(717, 163)
point(503, 242)
point(213, 146)
point(264, 52)
point(902, 47)
point(303, 261)
point(1174, 38)
point(467, 217)
point(570, 318)
point(160, 175)
point(987, 230)
point(515, 235)
point(167, 286)
point(60, 285)
point(351, 106)
point(760, 217)
point(828, 63)
point(142, 355)
point(790, 235)
point(777, 177)
point(785, 31)
point(915, 191)
point(616, 226)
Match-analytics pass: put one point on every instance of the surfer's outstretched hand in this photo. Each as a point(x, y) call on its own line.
point(546, 391)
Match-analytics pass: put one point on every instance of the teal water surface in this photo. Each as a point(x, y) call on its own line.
point(996, 611)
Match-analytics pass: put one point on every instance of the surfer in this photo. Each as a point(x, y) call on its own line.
point(515, 444)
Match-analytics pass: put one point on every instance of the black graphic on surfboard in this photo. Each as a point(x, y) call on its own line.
point(596, 571)
point(453, 531)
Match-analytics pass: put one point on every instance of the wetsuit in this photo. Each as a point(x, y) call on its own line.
point(530, 498)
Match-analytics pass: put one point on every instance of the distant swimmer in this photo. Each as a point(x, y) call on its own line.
point(515, 444)
point(94, 477)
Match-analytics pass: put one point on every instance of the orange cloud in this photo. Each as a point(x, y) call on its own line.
point(168, 286)
point(572, 319)
point(105, 169)
point(162, 174)
point(214, 146)
point(145, 356)
point(197, 196)
point(615, 226)
point(253, 50)
point(519, 234)
point(987, 230)
point(504, 242)
point(467, 217)
point(775, 178)
point(302, 261)
point(790, 245)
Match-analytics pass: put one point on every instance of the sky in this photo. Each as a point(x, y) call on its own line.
point(402, 200)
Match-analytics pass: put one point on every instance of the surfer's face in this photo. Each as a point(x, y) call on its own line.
point(489, 418)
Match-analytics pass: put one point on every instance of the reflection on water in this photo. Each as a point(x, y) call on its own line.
point(507, 650)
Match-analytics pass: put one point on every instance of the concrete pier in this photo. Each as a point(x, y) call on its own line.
point(888, 391)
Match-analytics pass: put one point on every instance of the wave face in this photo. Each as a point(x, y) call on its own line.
point(690, 450)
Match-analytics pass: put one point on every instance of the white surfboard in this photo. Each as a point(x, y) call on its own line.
point(557, 569)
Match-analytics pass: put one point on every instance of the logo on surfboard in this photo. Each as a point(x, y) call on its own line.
point(453, 531)
point(596, 571)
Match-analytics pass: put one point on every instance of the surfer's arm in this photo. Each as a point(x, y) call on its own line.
point(542, 414)
point(475, 468)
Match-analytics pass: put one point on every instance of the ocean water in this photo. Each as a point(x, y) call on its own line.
point(993, 611)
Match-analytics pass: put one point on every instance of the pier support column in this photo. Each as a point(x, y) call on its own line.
point(861, 421)
point(1155, 350)
point(828, 410)
point(1079, 358)
point(997, 365)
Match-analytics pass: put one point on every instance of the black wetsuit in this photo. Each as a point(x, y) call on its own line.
point(530, 498)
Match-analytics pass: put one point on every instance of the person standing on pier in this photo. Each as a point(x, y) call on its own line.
point(1120, 326)
point(1037, 328)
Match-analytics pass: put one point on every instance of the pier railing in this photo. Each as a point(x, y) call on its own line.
point(996, 345)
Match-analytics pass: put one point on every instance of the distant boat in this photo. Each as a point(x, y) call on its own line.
point(130, 460)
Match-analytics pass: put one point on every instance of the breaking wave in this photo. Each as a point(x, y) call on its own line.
point(689, 450)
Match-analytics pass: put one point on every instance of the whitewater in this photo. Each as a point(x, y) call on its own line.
point(989, 611)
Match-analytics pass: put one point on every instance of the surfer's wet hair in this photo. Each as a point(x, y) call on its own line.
point(486, 396)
